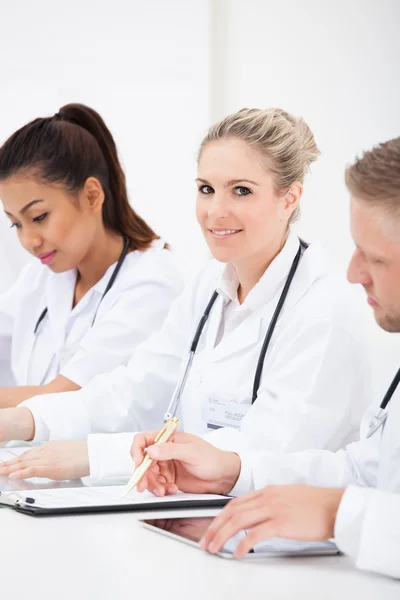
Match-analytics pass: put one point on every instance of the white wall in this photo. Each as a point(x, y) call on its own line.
point(159, 72)
point(337, 65)
point(145, 67)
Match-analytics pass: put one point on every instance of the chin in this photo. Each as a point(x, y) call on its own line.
point(221, 255)
point(388, 323)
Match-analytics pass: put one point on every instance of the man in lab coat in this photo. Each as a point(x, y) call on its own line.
point(359, 503)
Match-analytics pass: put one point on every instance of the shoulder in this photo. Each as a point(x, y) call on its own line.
point(327, 295)
point(155, 265)
point(32, 277)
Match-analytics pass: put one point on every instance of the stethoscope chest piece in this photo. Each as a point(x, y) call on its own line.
point(377, 422)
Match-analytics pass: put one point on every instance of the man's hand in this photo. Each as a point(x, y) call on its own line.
point(298, 512)
point(57, 460)
point(186, 463)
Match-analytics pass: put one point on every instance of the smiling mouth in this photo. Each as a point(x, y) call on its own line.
point(224, 232)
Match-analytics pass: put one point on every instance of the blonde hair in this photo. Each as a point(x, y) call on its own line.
point(286, 142)
point(375, 176)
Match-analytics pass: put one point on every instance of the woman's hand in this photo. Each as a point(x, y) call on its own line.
point(57, 460)
point(186, 463)
point(16, 424)
point(298, 512)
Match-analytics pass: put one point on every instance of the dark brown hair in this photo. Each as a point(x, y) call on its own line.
point(68, 148)
point(375, 176)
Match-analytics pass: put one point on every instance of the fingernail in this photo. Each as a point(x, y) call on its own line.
point(212, 547)
point(157, 492)
point(13, 475)
point(172, 490)
point(202, 544)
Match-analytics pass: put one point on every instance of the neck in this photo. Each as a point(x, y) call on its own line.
point(250, 271)
point(105, 251)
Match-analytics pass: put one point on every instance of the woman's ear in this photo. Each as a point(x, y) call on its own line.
point(292, 196)
point(93, 195)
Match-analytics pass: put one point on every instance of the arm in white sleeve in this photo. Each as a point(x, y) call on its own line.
point(119, 329)
point(311, 395)
point(9, 306)
point(6, 326)
point(368, 529)
point(357, 464)
point(131, 398)
point(110, 459)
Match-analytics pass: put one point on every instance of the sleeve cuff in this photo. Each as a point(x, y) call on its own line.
point(42, 433)
point(349, 520)
point(244, 483)
point(110, 459)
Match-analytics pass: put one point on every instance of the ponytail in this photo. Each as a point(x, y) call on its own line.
point(68, 148)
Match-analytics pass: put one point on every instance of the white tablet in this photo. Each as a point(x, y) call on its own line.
point(190, 530)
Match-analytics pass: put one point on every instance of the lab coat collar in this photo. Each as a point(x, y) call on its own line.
point(267, 286)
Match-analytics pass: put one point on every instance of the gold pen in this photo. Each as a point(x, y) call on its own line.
point(164, 435)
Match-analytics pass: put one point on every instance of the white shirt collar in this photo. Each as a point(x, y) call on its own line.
point(267, 286)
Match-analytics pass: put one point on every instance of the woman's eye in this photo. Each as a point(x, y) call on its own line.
point(241, 190)
point(16, 225)
point(206, 189)
point(40, 218)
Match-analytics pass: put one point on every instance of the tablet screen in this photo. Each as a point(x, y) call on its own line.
point(192, 529)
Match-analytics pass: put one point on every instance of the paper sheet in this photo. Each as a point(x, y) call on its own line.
point(103, 496)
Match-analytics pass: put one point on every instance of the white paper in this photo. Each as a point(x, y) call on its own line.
point(103, 496)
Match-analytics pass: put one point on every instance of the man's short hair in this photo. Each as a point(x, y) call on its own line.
point(375, 176)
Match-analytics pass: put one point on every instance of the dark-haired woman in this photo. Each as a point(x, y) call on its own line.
point(102, 280)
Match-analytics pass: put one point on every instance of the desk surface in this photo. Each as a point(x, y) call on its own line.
point(111, 557)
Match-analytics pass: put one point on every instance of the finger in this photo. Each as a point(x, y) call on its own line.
point(235, 519)
point(185, 453)
point(139, 444)
point(33, 471)
point(18, 465)
point(235, 506)
point(143, 484)
point(5, 471)
point(12, 461)
point(260, 533)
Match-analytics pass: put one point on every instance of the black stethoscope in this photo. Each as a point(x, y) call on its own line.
point(108, 288)
point(380, 418)
point(173, 405)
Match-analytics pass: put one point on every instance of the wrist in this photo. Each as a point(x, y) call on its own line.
point(231, 465)
point(336, 496)
point(23, 425)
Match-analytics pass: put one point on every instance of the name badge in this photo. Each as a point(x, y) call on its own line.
point(221, 413)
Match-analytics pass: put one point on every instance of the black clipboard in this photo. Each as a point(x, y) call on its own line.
point(37, 511)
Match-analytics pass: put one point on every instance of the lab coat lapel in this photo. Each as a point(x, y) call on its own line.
point(58, 298)
point(212, 327)
point(247, 334)
point(24, 359)
point(389, 471)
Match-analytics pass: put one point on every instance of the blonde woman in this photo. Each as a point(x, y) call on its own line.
point(276, 355)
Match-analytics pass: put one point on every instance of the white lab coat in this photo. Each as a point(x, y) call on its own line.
point(368, 522)
point(65, 342)
point(313, 370)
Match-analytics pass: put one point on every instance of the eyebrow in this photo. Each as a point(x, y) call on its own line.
point(25, 208)
point(231, 182)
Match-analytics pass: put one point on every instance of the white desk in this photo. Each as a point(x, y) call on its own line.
point(111, 557)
